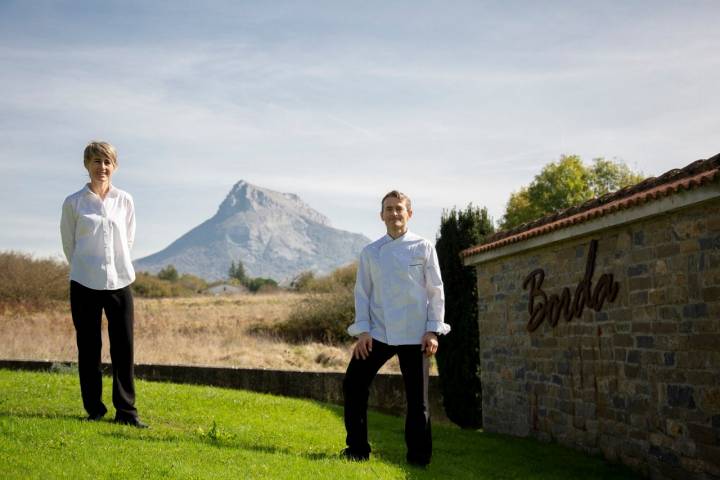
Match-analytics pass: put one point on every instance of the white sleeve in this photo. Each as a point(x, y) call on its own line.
point(68, 221)
point(130, 223)
point(436, 295)
point(363, 290)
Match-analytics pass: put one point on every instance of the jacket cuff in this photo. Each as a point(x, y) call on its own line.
point(441, 328)
point(357, 328)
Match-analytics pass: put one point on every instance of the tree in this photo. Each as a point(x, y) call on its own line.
point(169, 273)
point(459, 354)
point(237, 272)
point(607, 176)
point(565, 183)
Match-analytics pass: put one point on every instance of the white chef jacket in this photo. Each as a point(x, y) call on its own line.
point(399, 292)
point(97, 236)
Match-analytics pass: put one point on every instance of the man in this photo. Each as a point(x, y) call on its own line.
point(399, 309)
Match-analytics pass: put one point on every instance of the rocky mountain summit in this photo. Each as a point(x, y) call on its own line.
point(275, 235)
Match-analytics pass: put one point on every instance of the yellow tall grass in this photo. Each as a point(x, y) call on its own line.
point(201, 330)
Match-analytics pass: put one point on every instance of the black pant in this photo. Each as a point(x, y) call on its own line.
point(415, 367)
point(87, 306)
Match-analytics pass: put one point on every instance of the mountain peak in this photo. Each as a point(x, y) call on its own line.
point(245, 196)
point(273, 234)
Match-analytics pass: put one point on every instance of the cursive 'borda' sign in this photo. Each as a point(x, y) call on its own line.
point(543, 307)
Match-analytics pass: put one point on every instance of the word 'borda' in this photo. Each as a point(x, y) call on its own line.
point(543, 307)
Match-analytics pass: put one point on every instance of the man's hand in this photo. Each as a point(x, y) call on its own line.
point(429, 344)
point(363, 347)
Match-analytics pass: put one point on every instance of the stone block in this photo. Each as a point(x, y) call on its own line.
point(645, 341)
point(704, 342)
point(709, 243)
point(659, 296)
point(695, 310)
point(703, 434)
point(710, 402)
point(623, 341)
point(667, 250)
point(637, 270)
point(669, 358)
point(675, 428)
point(681, 396)
point(709, 453)
point(711, 294)
point(638, 298)
point(664, 327)
point(633, 356)
point(642, 255)
point(639, 283)
point(670, 312)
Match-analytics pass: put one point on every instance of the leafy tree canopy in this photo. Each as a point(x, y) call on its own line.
point(565, 183)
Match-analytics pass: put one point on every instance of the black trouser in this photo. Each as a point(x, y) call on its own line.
point(87, 306)
point(415, 367)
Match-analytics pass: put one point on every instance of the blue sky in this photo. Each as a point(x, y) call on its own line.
point(339, 102)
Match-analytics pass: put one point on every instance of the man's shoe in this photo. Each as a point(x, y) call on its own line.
point(354, 457)
point(97, 416)
point(422, 465)
point(132, 422)
point(418, 463)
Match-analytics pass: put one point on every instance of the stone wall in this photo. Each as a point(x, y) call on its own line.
point(387, 393)
point(639, 380)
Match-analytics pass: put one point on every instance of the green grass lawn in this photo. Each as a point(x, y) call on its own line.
point(206, 432)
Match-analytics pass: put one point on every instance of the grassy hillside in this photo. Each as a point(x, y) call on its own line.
point(204, 432)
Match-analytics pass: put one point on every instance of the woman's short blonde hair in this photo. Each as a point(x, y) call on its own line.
point(99, 150)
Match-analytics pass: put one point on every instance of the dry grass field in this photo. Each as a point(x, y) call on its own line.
point(200, 330)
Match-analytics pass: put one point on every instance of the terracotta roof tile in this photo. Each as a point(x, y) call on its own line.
point(694, 175)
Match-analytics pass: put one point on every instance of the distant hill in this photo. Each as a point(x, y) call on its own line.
point(275, 235)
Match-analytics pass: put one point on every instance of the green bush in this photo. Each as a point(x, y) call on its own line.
point(342, 278)
point(260, 284)
point(32, 283)
point(322, 317)
point(169, 273)
point(327, 311)
point(459, 354)
point(151, 286)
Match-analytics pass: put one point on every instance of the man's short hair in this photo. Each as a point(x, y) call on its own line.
point(101, 150)
point(399, 195)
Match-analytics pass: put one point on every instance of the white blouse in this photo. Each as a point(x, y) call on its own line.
point(97, 236)
point(399, 292)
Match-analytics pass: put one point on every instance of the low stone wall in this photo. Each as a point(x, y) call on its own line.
point(638, 380)
point(386, 394)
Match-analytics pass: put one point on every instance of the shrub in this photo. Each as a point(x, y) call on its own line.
point(325, 313)
point(342, 278)
point(151, 286)
point(169, 273)
point(322, 317)
point(258, 284)
point(459, 354)
point(32, 283)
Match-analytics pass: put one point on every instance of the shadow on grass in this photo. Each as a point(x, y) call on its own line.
point(232, 444)
point(44, 416)
point(465, 453)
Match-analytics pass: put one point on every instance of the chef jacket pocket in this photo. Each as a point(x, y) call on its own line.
point(416, 271)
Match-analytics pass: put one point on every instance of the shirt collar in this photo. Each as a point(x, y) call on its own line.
point(387, 238)
point(112, 191)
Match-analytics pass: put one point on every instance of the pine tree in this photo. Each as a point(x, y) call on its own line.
point(459, 354)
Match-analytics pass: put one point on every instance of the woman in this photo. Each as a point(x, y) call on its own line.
point(98, 229)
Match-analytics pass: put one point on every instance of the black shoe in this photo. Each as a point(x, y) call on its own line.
point(354, 457)
point(132, 422)
point(417, 463)
point(97, 416)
